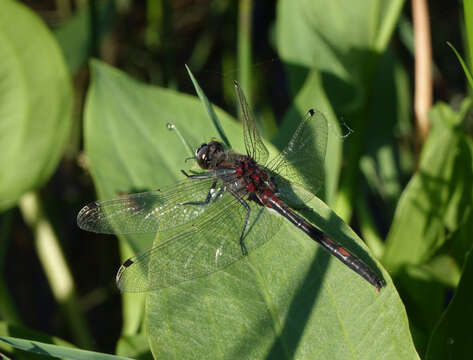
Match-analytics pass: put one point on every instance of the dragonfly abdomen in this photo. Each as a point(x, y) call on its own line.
point(273, 202)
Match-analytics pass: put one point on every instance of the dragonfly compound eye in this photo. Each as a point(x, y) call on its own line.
point(202, 155)
point(208, 154)
point(215, 148)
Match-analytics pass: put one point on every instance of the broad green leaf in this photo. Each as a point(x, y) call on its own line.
point(388, 110)
point(9, 330)
point(444, 269)
point(337, 38)
point(460, 204)
point(135, 346)
point(461, 215)
point(56, 351)
point(287, 299)
point(419, 220)
point(35, 102)
point(424, 298)
point(425, 215)
point(388, 113)
point(453, 338)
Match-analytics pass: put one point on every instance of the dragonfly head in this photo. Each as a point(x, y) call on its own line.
point(207, 155)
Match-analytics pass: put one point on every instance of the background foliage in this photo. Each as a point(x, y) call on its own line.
point(110, 75)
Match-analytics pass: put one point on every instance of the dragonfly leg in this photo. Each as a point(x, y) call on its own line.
point(244, 251)
point(207, 199)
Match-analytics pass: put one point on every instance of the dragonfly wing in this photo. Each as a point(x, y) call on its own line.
point(253, 143)
point(147, 212)
point(206, 245)
point(292, 193)
point(301, 162)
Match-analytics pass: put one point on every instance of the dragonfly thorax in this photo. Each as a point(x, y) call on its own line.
point(209, 155)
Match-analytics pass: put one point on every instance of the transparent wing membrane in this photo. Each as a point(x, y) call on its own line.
point(146, 212)
point(206, 245)
point(302, 160)
point(253, 143)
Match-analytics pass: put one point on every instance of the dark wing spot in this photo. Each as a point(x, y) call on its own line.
point(128, 263)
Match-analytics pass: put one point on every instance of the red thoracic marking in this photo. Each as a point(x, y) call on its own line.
point(267, 194)
point(250, 187)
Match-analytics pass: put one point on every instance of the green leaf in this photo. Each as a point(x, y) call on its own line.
point(388, 114)
point(389, 109)
point(135, 346)
point(427, 214)
point(36, 102)
point(314, 34)
point(419, 220)
point(37, 347)
point(452, 338)
point(16, 331)
point(460, 214)
point(468, 14)
point(290, 296)
point(463, 64)
point(209, 109)
point(347, 58)
point(286, 299)
point(75, 36)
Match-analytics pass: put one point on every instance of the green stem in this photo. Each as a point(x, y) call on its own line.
point(468, 12)
point(55, 267)
point(386, 28)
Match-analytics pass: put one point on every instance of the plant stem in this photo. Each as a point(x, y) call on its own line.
point(55, 267)
point(423, 68)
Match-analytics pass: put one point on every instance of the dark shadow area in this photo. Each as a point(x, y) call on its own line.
point(285, 345)
point(423, 297)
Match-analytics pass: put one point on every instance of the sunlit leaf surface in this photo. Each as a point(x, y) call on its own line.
point(35, 102)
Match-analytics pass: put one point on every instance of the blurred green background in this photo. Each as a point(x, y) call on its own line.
point(73, 129)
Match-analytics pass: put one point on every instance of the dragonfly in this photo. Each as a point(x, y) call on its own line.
point(218, 215)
